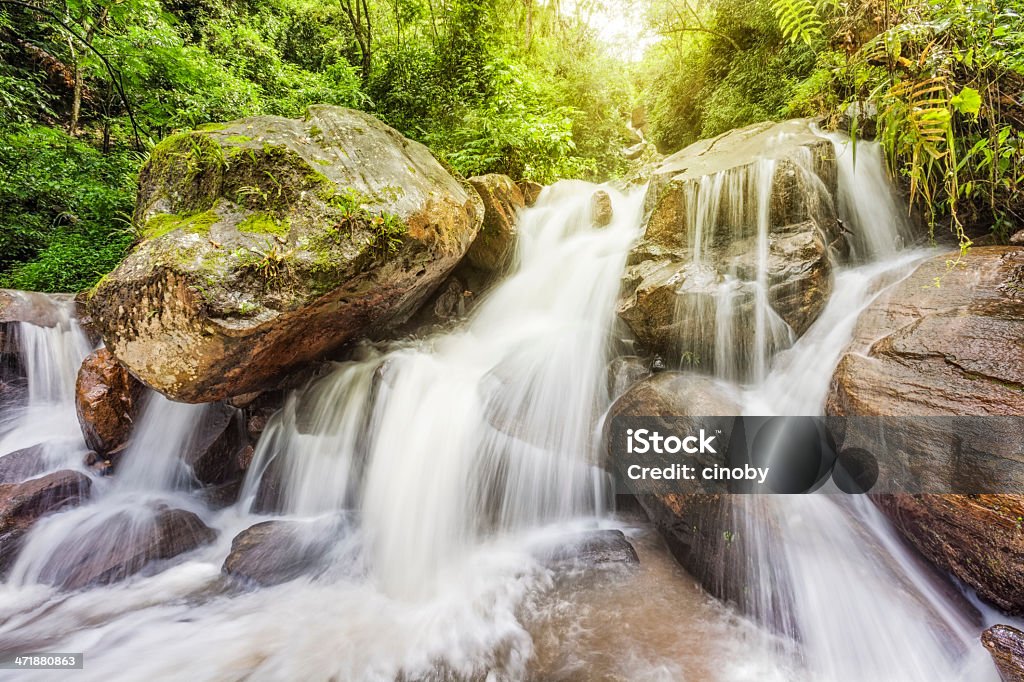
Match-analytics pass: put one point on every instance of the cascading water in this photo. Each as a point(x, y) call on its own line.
point(50, 358)
point(456, 457)
point(487, 428)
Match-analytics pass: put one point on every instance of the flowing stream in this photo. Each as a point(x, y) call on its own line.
point(443, 469)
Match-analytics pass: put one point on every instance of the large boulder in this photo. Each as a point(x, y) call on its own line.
point(947, 340)
point(107, 399)
point(977, 538)
point(20, 465)
point(723, 214)
point(269, 241)
point(1006, 644)
point(700, 529)
point(22, 504)
point(944, 342)
point(494, 246)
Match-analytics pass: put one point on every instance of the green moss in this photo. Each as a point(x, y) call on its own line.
point(196, 223)
point(239, 139)
point(211, 127)
point(264, 223)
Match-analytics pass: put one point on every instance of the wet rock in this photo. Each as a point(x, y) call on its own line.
point(270, 241)
point(594, 549)
point(220, 496)
point(700, 529)
point(22, 504)
point(601, 208)
point(219, 440)
point(531, 190)
point(635, 151)
point(42, 310)
point(19, 465)
point(127, 544)
point(977, 538)
point(274, 552)
point(1018, 238)
point(108, 399)
point(624, 371)
point(922, 349)
point(1006, 644)
point(680, 273)
point(494, 246)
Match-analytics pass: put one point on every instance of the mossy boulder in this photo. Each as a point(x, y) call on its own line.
point(495, 245)
point(268, 241)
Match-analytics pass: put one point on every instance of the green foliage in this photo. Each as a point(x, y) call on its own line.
point(64, 209)
point(732, 69)
point(87, 88)
point(798, 20)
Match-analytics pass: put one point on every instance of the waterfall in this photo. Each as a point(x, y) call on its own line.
point(49, 357)
point(876, 218)
point(487, 429)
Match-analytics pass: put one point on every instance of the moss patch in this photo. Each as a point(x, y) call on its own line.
point(239, 139)
point(264, 223)
point(196, 223)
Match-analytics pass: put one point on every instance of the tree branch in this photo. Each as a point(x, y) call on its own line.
point(115, 75)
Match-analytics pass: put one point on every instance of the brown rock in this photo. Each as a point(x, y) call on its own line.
point(1006, 644)
point(271, 241)
point(593, 549)
point(956, 348)
point(671, 302)
point(495, 244)
point(19, 465)
point(274, 552)
point(977, 538)
point(215, 455)
point(22, 504)
point(531, 190)
point(952, 349)
point(601, 208)
point(1018, 238)
point(107, 399)
point(124, 546)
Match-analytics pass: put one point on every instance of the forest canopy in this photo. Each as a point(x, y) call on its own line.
point(528, 88)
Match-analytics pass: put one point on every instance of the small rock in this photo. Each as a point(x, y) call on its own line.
point(601, 208)
point(531, 190)
point(1017, 238)
point(214, 456)
point(1006, 644)
point(274, 552)
point(493, 247)
point(595, 549)
point(126, 545)
point(22, 504)
point(107, 399)
point(19, 465)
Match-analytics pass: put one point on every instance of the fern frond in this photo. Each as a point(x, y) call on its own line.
point(798, 20)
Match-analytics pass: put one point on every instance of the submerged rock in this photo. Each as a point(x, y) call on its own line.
point(594, 549)
point(19, 465)
point(108, 399)
point(494, 246)
point(701, 252)
point(269, 241)
point(274, 552)
point(1006, 644)
point(125, 545)
point(22, 504)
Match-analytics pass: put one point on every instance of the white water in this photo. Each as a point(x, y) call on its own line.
point(461, 454)
point(50, 357)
